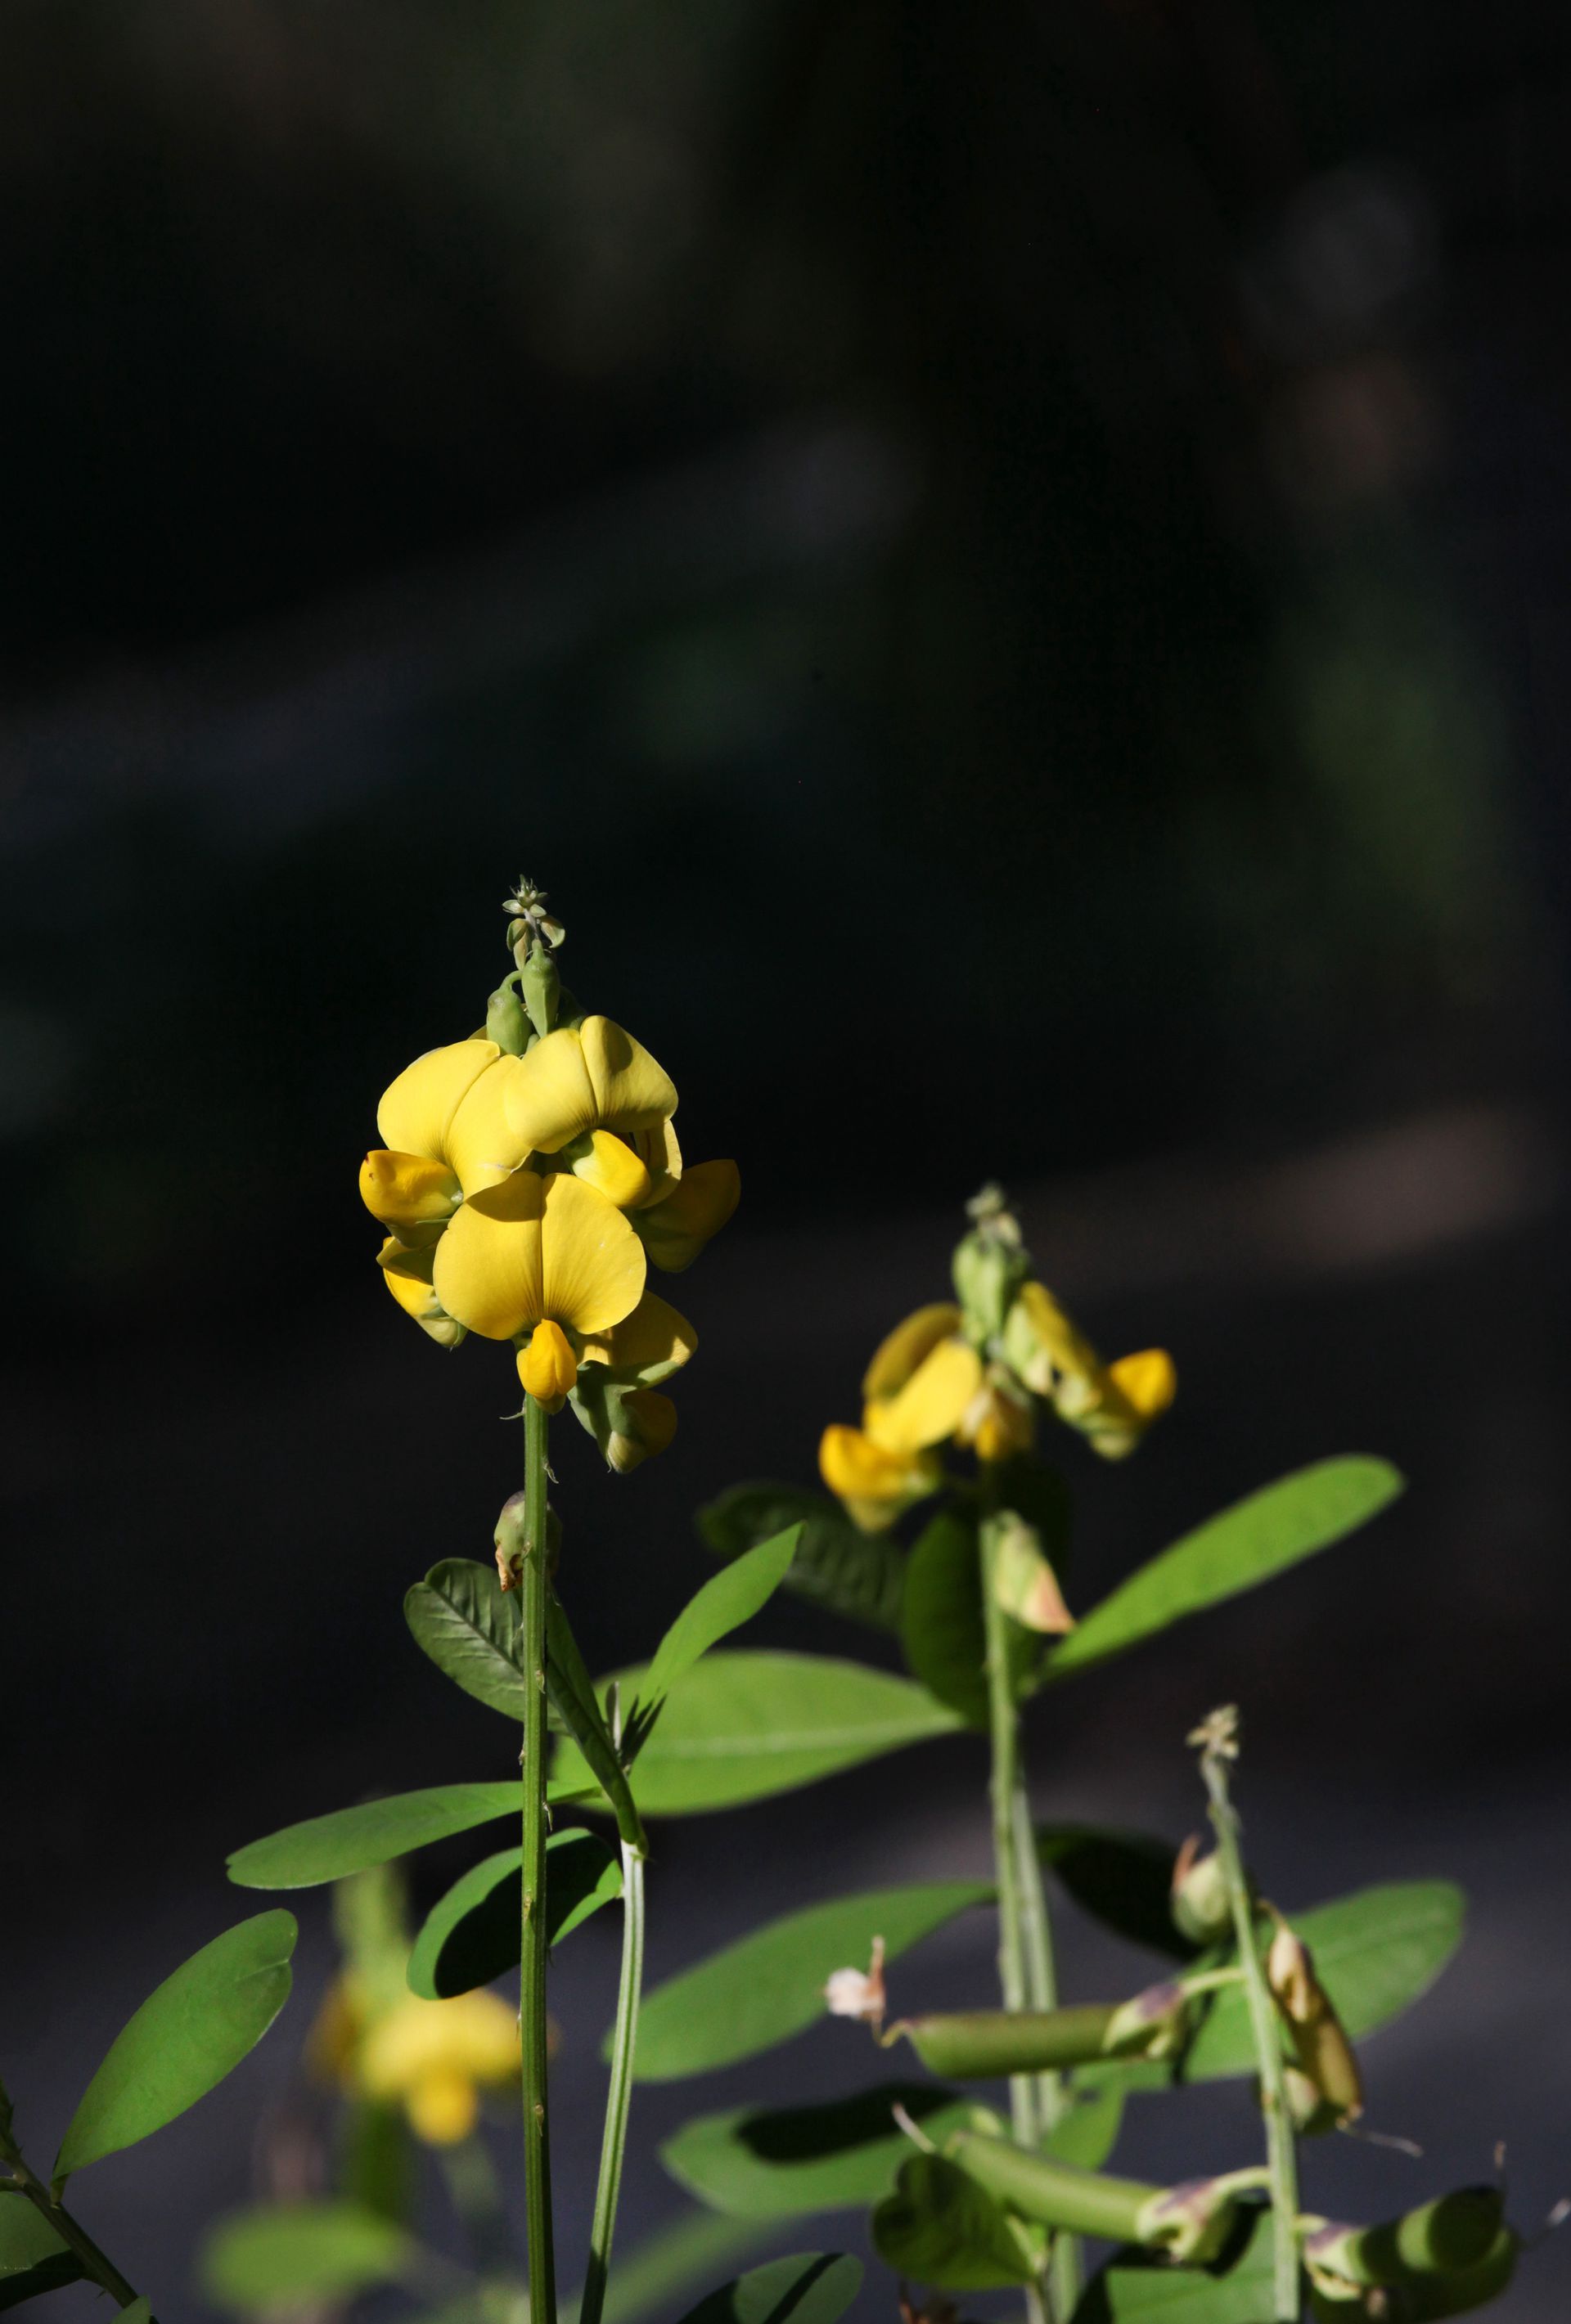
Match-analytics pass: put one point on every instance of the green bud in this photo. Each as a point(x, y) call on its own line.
point(505, 1021)
point(988, 1272)
point(1201, 1911)
point(541, 988)
point(510, 1539)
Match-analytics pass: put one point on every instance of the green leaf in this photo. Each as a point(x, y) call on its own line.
point(294, 2255)
point(723, 1603)
point(857, 1574)
point(1087, 2132)
point(573, 1698)
point(666, 2264)
point(812, 2288)
point(838, 2156)
point(1138, 2285)
point(941, 2227)
point(354, 1839)
point(941, 1623)
point(473, 1936)
point(770, 1984)
point(32, 2257)
point(468, 1625)
point(1121, 1878)
point(184, 2039)
point(744, 1726)
point(1258, 1537)
point(1375, 1952)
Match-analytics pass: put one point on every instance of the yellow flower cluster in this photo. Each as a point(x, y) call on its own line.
point(973, 1374)
point(432, 2058)
point(525, 1197)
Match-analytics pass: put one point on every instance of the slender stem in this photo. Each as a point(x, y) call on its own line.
point(96, 2265)
point(1281, 2150)
point(1042, 1987)
point(537, 2154)
point(619, 2099)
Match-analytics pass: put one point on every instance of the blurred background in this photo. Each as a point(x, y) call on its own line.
point(1010, 571)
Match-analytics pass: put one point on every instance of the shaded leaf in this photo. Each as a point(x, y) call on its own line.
point(354, 1839)
point(860, 1575)
point(667, 2265)
point(287, 2255)
point(941, 2227)
point(770, 1984)
point(462, 1618)
point(942, 1630)
point(744, 1726)
point(1260, 1536)
point(473, 1935)
point(574, 1698)
point(838, 2156)
point(723, 1604)
point(1375, 1952)
point(812, 2288)
point(1121, 1878)
point(1087, 2132)
point(32, 2258)
point(184, 2039)
point(1136, 2283)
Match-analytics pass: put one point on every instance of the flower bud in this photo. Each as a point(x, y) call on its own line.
point(859, 1992)
point(505, 1021)
point(1322, 2053)
point(541, 988)
point(628, 1424)
point(1201, 1911)
point(510, 1539)
point(1024, 1582)
point(548, 1366)
point(988, 1271)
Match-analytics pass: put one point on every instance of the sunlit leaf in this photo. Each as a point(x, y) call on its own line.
point(184, 2039)
point(860, 1575)
point(723, 1604)
point(941, 2227)
point(812, 2288)
point(461, 1617)
point(473, 1934)
point(1123, 1878)
point(294, 2255)
point(1247, 1544)
point(742, 1726)
point(32, 2257)
point(840, 2155)
point(770, 1984)
point(1136, 2285)
point(354, 1839)
point(1375, 1952)
point(577, 1704)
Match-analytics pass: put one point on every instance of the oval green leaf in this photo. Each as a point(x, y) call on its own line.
point(941, 2227)
point(858, 1574)
point(293, 2254)
point(461, 1617)
point(742, 1726)
point(941, 1625)
point(354, 1839)
point(840, 2156)
point(812, 2288)
point(1136, 2285)
point(1121, 1878)
point(1246, 1544)
point(184, 2039)
point(473, 1936)
point(32, 2257)
point(723, 1603)
point(1375, 1952)
point(770, 1984)
point(1086, 2132)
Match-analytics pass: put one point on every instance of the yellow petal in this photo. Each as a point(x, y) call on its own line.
point(932, 1404)
point(874, 1482)
point(660, 1156)
point(408, 1192)
point(483, 1147)
point(441, 2106)
point(595, 1264)
point(646, 1346)
point(1043, 1346)
point(997, 1424)
point(488, 1270)
point(676, 1227)
point(416, 1108)
point(408, 1276)
point(550, 1100)
point(603, 1161)
point(631, 1091)
point(547, 1366)
point(896, 1358)
point(1149, 1381)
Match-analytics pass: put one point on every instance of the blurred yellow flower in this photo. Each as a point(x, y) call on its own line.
point(433, 2058)
point(1111, 1405)
point(925, 1383)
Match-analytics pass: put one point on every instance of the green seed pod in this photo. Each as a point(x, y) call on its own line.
point(1053, 2194)
point(541, 988)
point(975, 2045)
point(1419, 2299)
point(505, 1021)
point(1448, 2236)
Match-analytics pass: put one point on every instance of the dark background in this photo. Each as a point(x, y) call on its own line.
point(1009, 569)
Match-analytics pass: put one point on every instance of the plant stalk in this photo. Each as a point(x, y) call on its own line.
point(619, 2099)
point(96, 2264)
point(1281, 2146)
point(534, 1583)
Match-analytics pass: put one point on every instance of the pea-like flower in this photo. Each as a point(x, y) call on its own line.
point(433, 2058)
point(1111, 1405)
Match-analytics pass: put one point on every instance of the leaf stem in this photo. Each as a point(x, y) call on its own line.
point(537, 2156)
point(1281, 2150)
point(619, 2099)
point(96, 2263)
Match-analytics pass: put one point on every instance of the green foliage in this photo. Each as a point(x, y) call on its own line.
point(32, 2257)
point(184, 2039)
point(461, 1617)
point(575, 1704)
point(298, 2255)
point(857, 1574)
point(356, 1839)
point(941, 2227)
point(942, 1628)
point(811, 2288)
point(770, 1984)
point(1087, 2132)
point(472, 1936)
point(1375, 1952)
point(720, 1607)
point(740, 1727)
point(1264, 1534)
point(1135, 2284)
point(649, 2275)
point(837, 2155)
point(1121, 1878)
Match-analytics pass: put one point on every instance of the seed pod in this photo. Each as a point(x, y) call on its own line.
point(1321, 2050)
point(1053, 2194)
point(1450, 2235)
point(975, 2045)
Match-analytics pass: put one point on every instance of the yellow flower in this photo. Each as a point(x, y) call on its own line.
point(874, 1484)
point(534, 1249)
point(432, 2057)
point(1111, 1405)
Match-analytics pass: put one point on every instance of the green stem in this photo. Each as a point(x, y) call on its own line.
point(619, 2099)
point(1042, 1987)
point(537, 2155)
point(1280, 2148)
point(96, 2264)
